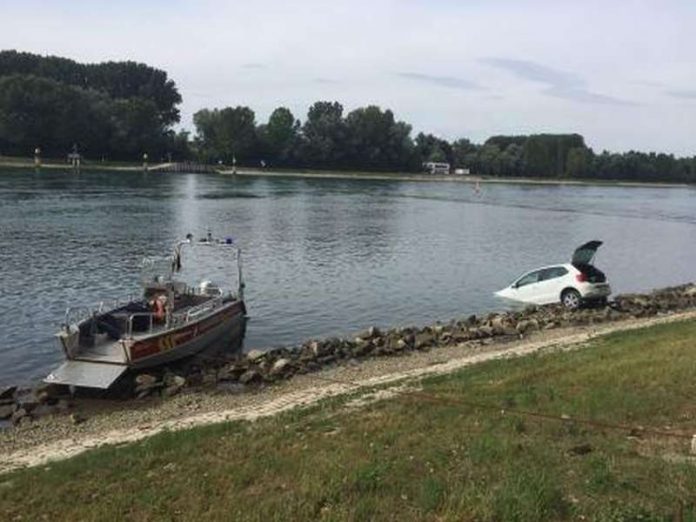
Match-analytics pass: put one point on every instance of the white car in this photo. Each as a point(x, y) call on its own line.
point(571, 283)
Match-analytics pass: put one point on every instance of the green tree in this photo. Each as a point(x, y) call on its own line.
point(224, 134)
point(41, 112)
point(579, 162)
point(116, 79)
point(377, 141)
point(324, 134)
point(545, 155)
point(464, 154)
point(432, 148)
point(279, 137)
point(114, 109)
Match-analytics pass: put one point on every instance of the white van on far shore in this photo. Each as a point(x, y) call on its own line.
point(434, 167)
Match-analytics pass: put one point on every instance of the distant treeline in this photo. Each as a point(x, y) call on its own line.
point(370, 138)
point(120, 110)
point(117, 110)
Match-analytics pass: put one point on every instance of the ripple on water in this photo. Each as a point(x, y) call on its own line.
point(322, 257)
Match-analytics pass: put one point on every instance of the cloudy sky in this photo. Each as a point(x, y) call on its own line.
point(622, 73)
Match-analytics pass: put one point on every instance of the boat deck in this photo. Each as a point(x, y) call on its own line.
point(106, 351)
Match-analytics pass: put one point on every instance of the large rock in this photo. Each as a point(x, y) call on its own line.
point(255, 355)
point(527, 325)
point(498, 325)
point(18, 415)
point(396, 344)
point(317, 348)
point(172, 379)
point(280, 367)
point(7, 411)
point(173, 384)
point(210, 378)
point(63, 406)
point(362, 347)
point(145, 380)
point(423, 340)
point(250, 377)
point(145, 384)
point(370, 333)
point(50, 393)
point(28, 402)
point(230, 373)
point(485, 331)
point(194, 379)
point(8, 393)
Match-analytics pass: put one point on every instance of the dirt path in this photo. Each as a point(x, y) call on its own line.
point(58, 438)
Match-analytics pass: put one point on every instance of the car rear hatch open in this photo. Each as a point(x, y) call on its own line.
point(582, 260)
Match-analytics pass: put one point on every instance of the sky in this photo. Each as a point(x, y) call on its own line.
point(622, 73)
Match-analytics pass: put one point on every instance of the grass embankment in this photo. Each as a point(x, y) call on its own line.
point(413, 457)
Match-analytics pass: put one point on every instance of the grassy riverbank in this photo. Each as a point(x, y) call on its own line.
point(458, 449)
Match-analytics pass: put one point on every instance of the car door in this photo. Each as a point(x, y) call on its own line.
point(525, 289)
point(551, 284)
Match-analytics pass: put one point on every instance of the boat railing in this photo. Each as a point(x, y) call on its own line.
point(149, 315)
point(77, 314)
point(177, 319)
point(196, 311)
point(111, 304)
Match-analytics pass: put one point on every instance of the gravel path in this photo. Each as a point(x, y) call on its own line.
point(58, 437)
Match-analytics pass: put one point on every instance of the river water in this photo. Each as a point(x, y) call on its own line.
point(321, 256)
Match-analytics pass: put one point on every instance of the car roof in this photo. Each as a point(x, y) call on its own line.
point(564, 265)
point(567, 266)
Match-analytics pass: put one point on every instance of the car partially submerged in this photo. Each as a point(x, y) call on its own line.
point(571, 284)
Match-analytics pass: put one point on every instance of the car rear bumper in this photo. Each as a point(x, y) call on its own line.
point(596, 291)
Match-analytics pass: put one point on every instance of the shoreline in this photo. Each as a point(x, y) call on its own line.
point(302, 174)
point(359, 175)
point(373, 379)
point(259, 384)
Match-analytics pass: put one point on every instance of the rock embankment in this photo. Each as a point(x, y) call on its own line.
point(245, 371)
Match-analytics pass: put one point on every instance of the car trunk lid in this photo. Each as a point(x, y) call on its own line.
point(582, 260)
point(584, 254)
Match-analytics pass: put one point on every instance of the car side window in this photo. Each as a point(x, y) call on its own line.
point(552, 273)
point(531, 277)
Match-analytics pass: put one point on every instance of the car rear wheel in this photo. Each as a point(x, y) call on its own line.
point(571, 299)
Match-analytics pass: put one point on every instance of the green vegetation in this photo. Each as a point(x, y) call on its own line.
point(116, 110)
point(371, 139)
point(120, 110)
point(416, 457)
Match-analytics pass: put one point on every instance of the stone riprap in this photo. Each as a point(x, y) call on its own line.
point(240, 372)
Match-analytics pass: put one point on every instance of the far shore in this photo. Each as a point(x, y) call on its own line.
point(22, 163)
point(471, 178)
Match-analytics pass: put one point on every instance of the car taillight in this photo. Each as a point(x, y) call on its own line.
point(581, 278)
